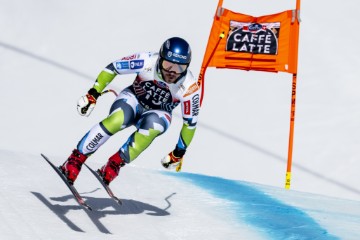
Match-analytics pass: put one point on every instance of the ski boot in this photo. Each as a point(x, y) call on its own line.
point(72, 166)
point(111, 170)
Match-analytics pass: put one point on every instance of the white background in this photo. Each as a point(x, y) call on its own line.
point(52, 51)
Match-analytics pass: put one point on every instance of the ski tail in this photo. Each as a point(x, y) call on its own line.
point(105, 186)
point(71, 187)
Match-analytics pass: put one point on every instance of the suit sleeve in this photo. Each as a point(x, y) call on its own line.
point(190, 110)
point(126, 65)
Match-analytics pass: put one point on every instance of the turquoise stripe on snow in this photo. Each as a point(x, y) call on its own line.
point(274, 218)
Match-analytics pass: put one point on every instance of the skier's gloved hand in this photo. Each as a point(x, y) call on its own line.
point(173, 159)
point(87, 103)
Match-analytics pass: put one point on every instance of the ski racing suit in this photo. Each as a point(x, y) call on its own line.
point(147, 104)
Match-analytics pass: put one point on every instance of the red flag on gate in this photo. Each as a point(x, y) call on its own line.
point(266, 43)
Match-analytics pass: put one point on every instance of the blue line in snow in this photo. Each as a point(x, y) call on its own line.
point(273, 217)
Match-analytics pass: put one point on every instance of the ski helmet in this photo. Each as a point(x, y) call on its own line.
point(175, 51)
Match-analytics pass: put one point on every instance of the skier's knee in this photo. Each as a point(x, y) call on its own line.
point(155, 122)
point(114, 122)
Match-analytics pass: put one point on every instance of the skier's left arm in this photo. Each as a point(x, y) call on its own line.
point(190, 105)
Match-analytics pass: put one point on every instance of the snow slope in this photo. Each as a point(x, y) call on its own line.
point(50, 54)
point(162, 205)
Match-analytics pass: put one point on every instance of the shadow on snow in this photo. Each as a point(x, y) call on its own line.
point(102, 208)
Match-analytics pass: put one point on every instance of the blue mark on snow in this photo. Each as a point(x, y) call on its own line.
point(274, 218)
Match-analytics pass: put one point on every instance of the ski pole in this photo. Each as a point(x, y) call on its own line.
point(178, 167)
point(109, 90)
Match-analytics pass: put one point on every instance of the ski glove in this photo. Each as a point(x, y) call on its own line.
point(173, 159)
point(87, 103)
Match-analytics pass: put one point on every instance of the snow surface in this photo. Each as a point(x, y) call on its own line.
point(234, 171)
point(158, 204)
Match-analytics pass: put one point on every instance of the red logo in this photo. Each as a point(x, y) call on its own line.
point(187, 107)
point(131, 57)
point(168, 117)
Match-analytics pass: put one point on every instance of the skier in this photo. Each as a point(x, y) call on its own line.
point(162, 82)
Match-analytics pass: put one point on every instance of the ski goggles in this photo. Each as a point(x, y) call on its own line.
point(173, 67)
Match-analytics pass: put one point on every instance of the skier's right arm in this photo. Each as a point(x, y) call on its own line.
point(127, 65)
point(87, 103)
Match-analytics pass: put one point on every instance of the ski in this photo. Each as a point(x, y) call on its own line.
point(73, 190)
point(105, 186)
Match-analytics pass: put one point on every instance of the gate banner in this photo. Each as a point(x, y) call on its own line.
point(265, 43)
